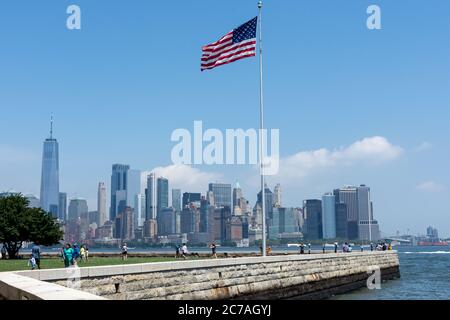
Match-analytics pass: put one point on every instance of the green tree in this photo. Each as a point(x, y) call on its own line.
point(19, 223)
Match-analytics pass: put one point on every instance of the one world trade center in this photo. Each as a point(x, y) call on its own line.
point(50, 175)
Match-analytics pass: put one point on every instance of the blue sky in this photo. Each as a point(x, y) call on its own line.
point(119, 87)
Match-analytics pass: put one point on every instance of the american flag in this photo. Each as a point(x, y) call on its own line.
point(237, 44)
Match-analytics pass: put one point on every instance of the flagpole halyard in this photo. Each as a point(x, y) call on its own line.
point(261, 133)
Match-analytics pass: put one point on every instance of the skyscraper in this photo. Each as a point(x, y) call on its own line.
point(240, 204)
point(127, 226)
point(157, 196)
point(349, 196)
point(62, 206)
point(269, 201)
point(284, 222)
point(150, 198)
point(364, 210)
point(204, 210)
point(190, 220)
point(190, 197)
point(167, 222)
point(118, 183)
point(313, 212)
point(78, 208)
point(139, 211)
point(367, 227)
point(136, 185)
point(176, 200)
point(176, 204)
point(233, 230)
point(329, 216)
point(341, 221)
point(162, 194)
point(274, 225)
point(50, 175)
point(361, 224)
point(77, 227)
point(101, 203)
point(277, 196)
point(222, 194)
point(237, 195)
point(210, 198)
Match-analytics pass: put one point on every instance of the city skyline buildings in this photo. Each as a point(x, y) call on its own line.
point(136, 192)
point(324, 218)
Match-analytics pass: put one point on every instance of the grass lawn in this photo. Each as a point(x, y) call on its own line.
point(55, 263)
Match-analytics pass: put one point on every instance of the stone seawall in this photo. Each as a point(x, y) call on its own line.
point(280, 277)
point(17, 287)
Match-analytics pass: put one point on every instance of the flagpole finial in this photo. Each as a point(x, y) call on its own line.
point(260, 4)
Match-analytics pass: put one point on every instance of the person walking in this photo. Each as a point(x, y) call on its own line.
point(184, 251)
point(36, 253)
point(86, 252)
point(82, 253)
point(61, 253)
point(213, 250)
point(3, 253)
point(76, 253)
point(302, 248)
point(68, 255)
point(32, 262)
point(345, 247)
point(124, 252)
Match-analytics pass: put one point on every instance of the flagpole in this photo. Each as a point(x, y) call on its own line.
point(261, 133)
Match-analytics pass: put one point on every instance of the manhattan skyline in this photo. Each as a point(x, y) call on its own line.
point(353, 106)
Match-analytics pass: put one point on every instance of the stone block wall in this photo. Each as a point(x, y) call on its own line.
point(280, 277)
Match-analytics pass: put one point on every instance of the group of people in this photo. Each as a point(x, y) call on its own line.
point(347, 247)
point(70, 254)
point(303, 246)
point(181, 251)
point(383, 247)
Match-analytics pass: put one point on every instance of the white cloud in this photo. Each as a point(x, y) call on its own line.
point(430, 186)
point(188, 178)
point(424, 146)
point(367, 151)
point(373, 150)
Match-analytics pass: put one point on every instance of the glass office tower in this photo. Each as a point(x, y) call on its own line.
point(50, 175)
